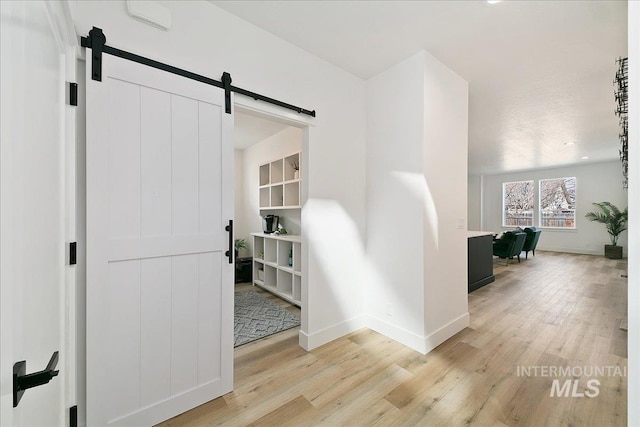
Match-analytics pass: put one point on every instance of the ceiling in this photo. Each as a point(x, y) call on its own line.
point(249, 130)
point(540, 73)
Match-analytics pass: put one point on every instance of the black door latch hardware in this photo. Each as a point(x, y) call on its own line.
point(23, 381)
point(231, 251)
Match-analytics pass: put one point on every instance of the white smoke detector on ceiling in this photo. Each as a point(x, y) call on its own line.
point(150, 13)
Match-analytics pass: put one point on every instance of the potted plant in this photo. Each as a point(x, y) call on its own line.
point(240, 244)
point(616, 222)
point(296, 169)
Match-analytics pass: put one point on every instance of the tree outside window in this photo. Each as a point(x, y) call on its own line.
point(558, 202)
point(517, 204)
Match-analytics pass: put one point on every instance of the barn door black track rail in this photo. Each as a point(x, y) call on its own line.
point(96, 41)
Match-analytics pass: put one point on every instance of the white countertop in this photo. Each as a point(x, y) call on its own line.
point(288, 237)
point(479, 233)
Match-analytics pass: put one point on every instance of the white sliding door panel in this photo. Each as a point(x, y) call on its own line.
point(155, 162)
point(155, 320)
point(210, 164)
point(184, 155)
point(184, 324)
point(159, 286)
point(209, 316)
point(124, 337)
point(124, 159)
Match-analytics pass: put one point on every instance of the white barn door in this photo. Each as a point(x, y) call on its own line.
point(36, 48)
point(159, 286)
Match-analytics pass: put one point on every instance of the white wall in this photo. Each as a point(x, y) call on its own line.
point(283, 143)
point(395, 205)
point(207, 40)
point(239, 213)
point(474, 186)
point(446, 101)
point(633, 391)
point(416, 288)
point(596, 182)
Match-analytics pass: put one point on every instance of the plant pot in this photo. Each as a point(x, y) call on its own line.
point(261, 275)
point(296, 174)
point(613, 252)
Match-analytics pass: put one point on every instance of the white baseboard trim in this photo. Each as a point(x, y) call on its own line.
point(316, 339)
point(447, 331)
point(403, 336)
point(421, 344)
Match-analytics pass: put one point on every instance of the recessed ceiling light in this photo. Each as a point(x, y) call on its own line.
point(585, 157)
point(569, 143)
point(493, 1)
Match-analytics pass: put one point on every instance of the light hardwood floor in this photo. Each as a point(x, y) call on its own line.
point(550, 310)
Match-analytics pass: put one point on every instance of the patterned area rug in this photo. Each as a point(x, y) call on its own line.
point(257, 317)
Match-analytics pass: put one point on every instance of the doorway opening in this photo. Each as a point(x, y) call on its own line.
point(269, 195)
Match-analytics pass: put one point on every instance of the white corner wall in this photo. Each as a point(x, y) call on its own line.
point(281, 144)
point(633, 343)
point(446, 102)
point(209, 41)
point(416, 287)
point(596, 182)
point(394, 289)
point(474, 200)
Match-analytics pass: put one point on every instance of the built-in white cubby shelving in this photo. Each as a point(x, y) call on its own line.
point(277, 265)
point(280, 183)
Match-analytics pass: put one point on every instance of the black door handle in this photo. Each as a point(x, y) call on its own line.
point(230, 252)
point(23, 381)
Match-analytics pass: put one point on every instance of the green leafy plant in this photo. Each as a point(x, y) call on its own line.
point(613, 218)
point(240, 244)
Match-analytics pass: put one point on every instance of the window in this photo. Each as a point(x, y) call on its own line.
point(517, 204)
point(558, 202)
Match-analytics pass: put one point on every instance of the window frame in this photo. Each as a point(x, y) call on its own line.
point(533, 207)
point(575, 209)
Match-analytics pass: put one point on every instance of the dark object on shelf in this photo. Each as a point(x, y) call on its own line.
point(531, 241)
point(269, 223)
point(621, 95)
point(479, 261)
point(243, 269)
point(509, 245)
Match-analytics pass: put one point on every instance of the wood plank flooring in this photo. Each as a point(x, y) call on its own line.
point(553, 309)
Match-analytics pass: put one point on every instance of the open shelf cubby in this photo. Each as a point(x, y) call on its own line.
point(258, 248)
point(279, 277)
point(270, 251)
point(297, 257)
point(297, 287)
point(280, 183)
point(285, 283)
point(276, 172)
point(270, 277)
point(292, 193)
point(290, 164)
point(265, 197)
point(277, 196)
point(264, 175)
point(284, 249)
